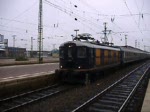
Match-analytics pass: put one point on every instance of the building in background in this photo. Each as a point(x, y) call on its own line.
point(14, 52)
point(10, 52)
point(55, 53)
point(2, 52)
point(5, 43)
point(2, 47)
point(35, 54)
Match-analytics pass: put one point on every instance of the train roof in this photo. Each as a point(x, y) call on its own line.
point(131, 49)
point(89, 44)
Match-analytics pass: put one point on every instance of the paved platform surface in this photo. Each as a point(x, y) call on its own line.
point(6, 62)
point(146, 103)
point(10, 72)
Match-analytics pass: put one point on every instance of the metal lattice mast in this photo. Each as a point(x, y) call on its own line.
point(135, 43)
point(31, 53)
point(31, 44)
point(40, 32)
point(105, 31)
point(14, 39)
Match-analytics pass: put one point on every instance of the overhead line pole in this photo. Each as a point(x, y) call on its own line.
point(105, 32)
point(135, 43)
point(40, 32)
point(14, 39)
point(31, 53)
point(125, 40)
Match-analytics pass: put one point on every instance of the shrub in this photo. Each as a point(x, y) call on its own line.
point(21, 58)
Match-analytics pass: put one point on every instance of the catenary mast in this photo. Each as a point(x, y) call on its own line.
point(40, 32)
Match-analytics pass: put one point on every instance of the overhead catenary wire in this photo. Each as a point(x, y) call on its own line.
point(132, 16)
point(70, 13)
point(29, 8)
point(91, 22)
point(36, 24)
point(73, 15)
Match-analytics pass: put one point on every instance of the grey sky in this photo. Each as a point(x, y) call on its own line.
point(20, 18)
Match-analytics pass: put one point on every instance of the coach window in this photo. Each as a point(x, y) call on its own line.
point(81, 53)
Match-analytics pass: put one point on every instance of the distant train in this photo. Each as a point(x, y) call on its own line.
point(84, 59)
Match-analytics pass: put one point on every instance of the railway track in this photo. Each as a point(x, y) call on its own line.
point(116, 97)
point(11, 103)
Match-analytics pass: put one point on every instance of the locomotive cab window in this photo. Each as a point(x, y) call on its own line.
point(70, 52)
point(81, 52)
point(61, 52)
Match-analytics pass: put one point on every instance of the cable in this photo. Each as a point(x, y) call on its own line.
point(132, 16)
point(68, 12)
point(34, 24)
point(24, 11)
point(12, 27)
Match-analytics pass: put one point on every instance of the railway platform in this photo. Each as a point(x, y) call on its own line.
point(10, 62)
point(16, 78)
point(146, 103)
point(17, 84)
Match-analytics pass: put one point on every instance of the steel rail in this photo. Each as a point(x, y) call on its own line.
point(1, 100)
point(105, 90)
point(132, 92)
point(17, 101)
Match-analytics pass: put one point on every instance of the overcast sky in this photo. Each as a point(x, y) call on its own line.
point(123, 17)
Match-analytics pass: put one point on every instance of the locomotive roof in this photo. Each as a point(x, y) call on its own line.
point(88, 44)
point(131, 49)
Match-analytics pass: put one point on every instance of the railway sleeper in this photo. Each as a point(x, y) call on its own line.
point(110, 102)
point(5, 106)
point(105, 106)
point(32, 97)
point(116, 90)
point(129, 82)
point(18, 102)
point(116, 96)
point(121, 93)
point(93, 109)
point(112, 99)
point(125, 87)
point(122, 89)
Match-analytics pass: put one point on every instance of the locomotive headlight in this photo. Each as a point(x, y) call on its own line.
point(61, 66)
point(79, 67)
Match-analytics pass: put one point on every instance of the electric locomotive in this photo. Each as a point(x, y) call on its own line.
point(84, 57)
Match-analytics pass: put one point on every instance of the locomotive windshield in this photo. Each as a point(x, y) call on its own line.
point(61, 52)
point(70, 52)
point(81, 52)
